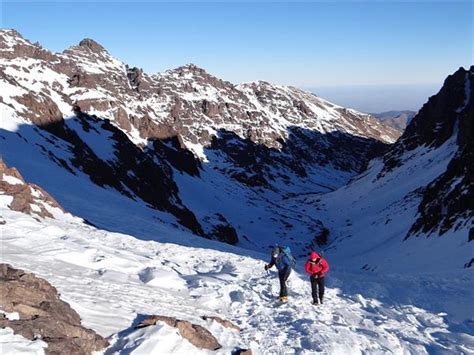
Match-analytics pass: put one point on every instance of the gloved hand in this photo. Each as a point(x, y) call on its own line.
point(266, 267)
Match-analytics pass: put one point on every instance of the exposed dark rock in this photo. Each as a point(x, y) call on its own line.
point(91, 45)
point(41, 109)
point(258, 165)
point(122, 119)
point(22, 47)
point(25, 195)
point(43, 314)
point(220, 229)
point(84, 80)
point(197, 335)
point(435, 122)
point(136, 78)
point(151, 129)
point(242, 352)
point(448, 201)
point(322, 237)
point(209, 108)
point(172, 151)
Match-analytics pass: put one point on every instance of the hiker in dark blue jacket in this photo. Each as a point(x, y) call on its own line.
point(283, 261)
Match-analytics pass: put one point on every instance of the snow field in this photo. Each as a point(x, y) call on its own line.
point(114, 280)
point(15, 344)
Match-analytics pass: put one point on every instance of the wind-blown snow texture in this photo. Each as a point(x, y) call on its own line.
point(149, 163)
point(113, 280)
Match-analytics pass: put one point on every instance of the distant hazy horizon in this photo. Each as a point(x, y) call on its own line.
point(378, 98)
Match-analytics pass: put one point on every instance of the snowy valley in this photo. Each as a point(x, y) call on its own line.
point(140, 195)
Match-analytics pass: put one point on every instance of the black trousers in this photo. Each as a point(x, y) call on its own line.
point(317, 288)
point(283, 276)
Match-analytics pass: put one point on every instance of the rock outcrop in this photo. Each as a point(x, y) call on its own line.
point(43, 314)
point(224, 322)
point(197, 335)
point(26, 198)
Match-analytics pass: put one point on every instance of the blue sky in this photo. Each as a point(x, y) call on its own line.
point(324, 45)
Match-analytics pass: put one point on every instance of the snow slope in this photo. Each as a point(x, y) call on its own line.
point(371, 217)
point(114, 280)
point(412, 210)
point(11, 343)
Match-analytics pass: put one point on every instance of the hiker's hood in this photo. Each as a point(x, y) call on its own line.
point(313, 255)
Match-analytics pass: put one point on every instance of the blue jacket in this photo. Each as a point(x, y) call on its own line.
point(281, 261)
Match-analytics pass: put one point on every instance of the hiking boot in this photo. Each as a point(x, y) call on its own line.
point(321, 301)
point(283, 299)
point(315, 303)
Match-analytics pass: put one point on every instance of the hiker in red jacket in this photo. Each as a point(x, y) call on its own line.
point(316, 267)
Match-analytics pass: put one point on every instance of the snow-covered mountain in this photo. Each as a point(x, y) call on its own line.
point(180, 147)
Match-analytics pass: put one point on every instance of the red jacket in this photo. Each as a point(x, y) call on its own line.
point(316, 265)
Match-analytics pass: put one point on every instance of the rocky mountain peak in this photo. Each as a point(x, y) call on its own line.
point(91, 45)
point(11, 33)
point(436, 121)
point(444, 124)
point(445, 114)
point(191, 72)
point(13, 45)
point(88, 48)
point(192, 68)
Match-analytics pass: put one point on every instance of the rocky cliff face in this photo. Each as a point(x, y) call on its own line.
point(448, 201)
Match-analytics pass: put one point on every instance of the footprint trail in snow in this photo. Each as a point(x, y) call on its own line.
point(113, 279)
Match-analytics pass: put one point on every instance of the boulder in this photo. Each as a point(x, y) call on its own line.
point(197, 335)
point(43, 314)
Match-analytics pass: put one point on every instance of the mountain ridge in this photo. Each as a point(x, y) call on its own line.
point(146, 138)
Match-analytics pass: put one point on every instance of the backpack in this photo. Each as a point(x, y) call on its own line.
point(287, 252)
